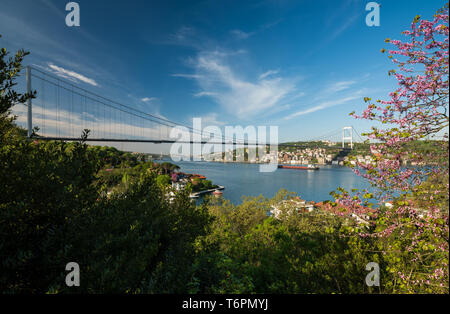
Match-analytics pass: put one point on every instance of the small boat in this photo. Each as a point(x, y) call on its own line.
point(217, 193)
point(198, 176)
point(309, 167)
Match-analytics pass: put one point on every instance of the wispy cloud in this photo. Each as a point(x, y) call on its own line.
point(71, 75)
point(150, 105)
point(187, 36)
point(342, 85)
point(183, 33)
point(148, 99)
point(268, 73)
point(241, 34)
point(241, 97)
point(335, 24)
point(201, 94)
point(325, 105)
point(189, 76)
point(342, 28)
point(212, 119)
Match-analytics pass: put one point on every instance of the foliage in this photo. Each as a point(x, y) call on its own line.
point(128, 242)
point(249, 252)
point(168, 168)
point(202, 185)
point(10, 68)
point(53, 211)
point(414, 231)
point(163, 180)
point(109, 211)
point(111, 180)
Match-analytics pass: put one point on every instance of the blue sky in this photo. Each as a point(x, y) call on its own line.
point(300, 65)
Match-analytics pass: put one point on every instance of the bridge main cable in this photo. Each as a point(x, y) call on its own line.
point(134, 112)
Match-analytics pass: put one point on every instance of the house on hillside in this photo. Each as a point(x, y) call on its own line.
point(291, 205)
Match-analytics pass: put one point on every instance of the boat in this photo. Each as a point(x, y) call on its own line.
point(309, 167)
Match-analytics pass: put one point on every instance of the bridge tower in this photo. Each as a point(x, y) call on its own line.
point(347, 134)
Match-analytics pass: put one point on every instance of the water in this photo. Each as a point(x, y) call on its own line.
point(242, 179)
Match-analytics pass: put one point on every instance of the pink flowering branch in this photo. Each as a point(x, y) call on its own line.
point(418, 108)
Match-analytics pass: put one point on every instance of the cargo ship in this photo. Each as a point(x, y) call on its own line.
point(309, 167)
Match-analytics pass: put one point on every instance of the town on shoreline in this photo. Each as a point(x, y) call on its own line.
point(311, 153)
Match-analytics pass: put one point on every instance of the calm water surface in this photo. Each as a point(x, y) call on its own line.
point(246, 180)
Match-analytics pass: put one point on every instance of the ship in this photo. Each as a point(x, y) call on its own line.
point(309, 167)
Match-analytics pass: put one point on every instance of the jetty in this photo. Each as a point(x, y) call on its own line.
point(308, 167)
point(198, 194)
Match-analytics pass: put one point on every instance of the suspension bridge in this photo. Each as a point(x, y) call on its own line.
point(62, 110)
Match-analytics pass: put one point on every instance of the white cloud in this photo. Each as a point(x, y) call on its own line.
point(211, 119)
point(241, 97)
point(268, 73)
point(201, 94)
point(349, 22)
point(148, 99)
point(303, 112)
point(190, 76)
point(324, 105)
point(339, 86)
point(183, 33)
point(187, 36)
point(71, 75)
point(241, 34)
point(299, 95)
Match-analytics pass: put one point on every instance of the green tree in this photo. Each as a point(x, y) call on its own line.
point(52, 212)
point(163, 180)
point(10, 68)
point(299, 252)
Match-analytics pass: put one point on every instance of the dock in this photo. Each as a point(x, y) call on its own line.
point(308, 167)
point(198, 194)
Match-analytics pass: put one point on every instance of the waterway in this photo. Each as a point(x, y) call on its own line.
point(241, 179)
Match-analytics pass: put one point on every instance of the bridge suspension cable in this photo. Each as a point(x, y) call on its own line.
point(357, 133)
point(62, 110)
point(74, 109)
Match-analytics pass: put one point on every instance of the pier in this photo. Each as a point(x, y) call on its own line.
point(198, 194)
